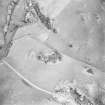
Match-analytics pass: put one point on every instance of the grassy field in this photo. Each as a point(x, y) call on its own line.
point(80, 40)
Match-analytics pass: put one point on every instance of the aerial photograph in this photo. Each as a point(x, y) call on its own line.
point(52, 52)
